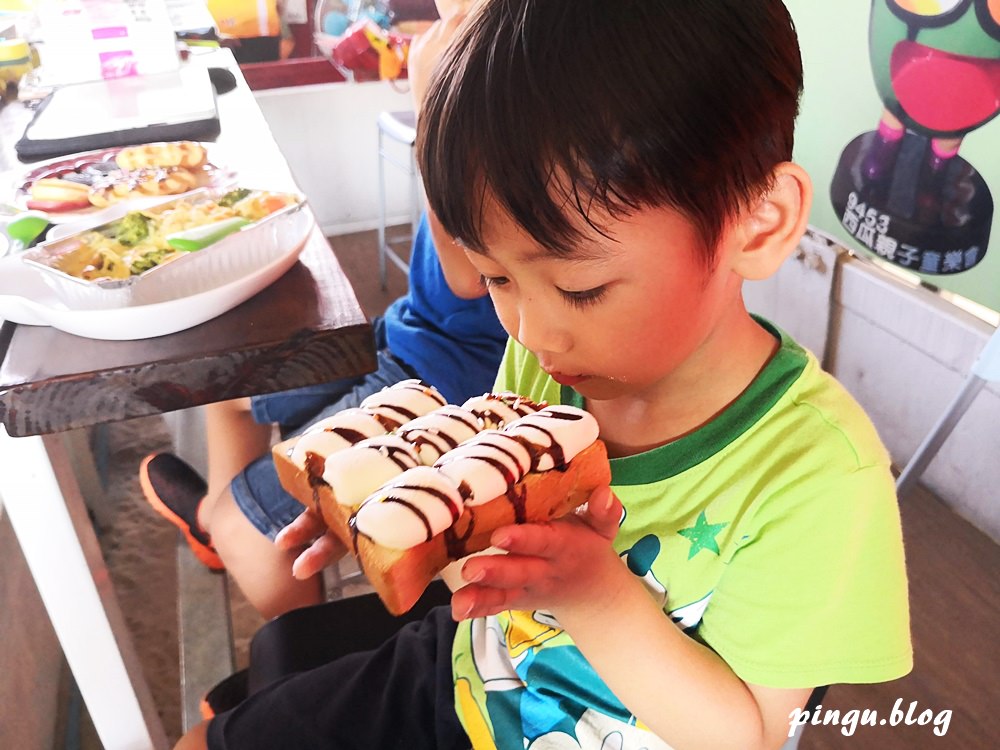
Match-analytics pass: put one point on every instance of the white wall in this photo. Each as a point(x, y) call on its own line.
point(904, 353)
point(329, 136)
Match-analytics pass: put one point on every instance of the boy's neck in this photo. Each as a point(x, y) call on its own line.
point(694, 394)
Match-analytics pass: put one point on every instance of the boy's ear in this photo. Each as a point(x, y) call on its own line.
point(771, 231)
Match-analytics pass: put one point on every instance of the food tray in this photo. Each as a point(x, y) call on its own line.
point(233, 257)
point(209, 175)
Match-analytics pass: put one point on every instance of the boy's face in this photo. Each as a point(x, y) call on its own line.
point(621, 317)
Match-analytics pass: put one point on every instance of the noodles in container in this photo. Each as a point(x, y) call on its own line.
point(173, 249)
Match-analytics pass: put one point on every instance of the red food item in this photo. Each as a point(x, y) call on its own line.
point(56, 207)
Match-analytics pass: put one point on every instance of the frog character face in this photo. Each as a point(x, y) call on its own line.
point(936, 63)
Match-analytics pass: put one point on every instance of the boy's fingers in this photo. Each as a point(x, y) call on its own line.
point(317, 556)
point(501, 571)
point(482, 601)
point(534, 539)
point(301, 531)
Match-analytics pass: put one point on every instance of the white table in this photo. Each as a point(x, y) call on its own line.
point(306, 328)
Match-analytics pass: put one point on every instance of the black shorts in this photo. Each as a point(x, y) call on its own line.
point(400, 695)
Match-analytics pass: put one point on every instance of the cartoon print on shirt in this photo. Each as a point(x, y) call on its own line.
point(639, 559)
point(702, 535)
point(509, 651)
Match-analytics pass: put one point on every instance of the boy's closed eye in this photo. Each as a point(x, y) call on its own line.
point(577, 298)
point(584, 297)
point(493, 281)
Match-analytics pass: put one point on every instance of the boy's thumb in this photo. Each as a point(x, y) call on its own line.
point(605, 511)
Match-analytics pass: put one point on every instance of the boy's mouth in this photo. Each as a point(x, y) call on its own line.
point(564, 379)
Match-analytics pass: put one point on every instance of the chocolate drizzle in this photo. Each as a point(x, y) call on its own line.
point(315, 466)
point(455, 544)
point(395, 495)
point(442, 442)
point(415, 511)
point(517, 497)
point(390, 423)
point(536, 444)
point(439, 438)
point(399, 456)
point(349, 435)
point(537, 452)
point(513, 456)
point(394, 416)
point(499, 417)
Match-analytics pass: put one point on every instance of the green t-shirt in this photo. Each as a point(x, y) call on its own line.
point(771, 534)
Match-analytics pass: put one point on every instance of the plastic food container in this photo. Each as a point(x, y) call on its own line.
point(238, 253)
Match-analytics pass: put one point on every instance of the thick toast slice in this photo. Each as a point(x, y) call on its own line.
point(400, 576)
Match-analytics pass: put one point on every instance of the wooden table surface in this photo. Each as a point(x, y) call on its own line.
point(306, 328)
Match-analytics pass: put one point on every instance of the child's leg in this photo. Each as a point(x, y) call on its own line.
point(253, 507)
point(260, 569)
point(399, 695)
point(246, 507)
point(234, 439)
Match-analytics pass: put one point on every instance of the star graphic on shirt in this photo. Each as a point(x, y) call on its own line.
point(702, 535)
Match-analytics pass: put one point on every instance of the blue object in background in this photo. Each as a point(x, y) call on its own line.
point(335, 23)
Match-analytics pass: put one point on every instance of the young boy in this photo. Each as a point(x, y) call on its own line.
point(614, 171)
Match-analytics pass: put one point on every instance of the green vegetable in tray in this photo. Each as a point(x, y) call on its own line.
point(142, 240)
point(233, 197)
point(132, 229)
point(149, 260)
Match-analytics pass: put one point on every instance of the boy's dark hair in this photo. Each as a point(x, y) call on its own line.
point(618, 104)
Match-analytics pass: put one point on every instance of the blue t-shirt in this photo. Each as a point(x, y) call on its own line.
point(454, 344)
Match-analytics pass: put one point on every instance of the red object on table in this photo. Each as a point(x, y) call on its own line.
point(355, 53)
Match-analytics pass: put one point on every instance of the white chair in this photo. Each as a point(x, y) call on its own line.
point(400, 128)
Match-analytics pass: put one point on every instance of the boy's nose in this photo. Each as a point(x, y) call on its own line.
point(541, 330)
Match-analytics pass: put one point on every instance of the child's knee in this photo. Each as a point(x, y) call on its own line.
point(195, 739)
point(232, 406)
point(230, 527)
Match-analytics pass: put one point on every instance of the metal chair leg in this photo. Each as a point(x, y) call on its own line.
point(381, 212)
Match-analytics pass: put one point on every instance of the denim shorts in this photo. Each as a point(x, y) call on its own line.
point(257, 491)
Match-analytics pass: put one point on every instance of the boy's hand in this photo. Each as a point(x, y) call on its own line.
point(322, 547)
point(549, 565)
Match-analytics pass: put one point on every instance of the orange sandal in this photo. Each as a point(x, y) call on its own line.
point(175, 490)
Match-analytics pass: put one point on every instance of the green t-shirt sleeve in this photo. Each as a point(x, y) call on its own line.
point(507, 373)
point(816, 593)
point(520, 373)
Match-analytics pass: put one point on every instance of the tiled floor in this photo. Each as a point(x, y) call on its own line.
point(953, 576)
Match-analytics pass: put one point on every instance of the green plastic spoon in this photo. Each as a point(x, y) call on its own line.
point(201, 237)
point(25, 229)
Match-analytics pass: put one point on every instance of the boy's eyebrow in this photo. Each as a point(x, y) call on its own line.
point(579, 252)
point(576, 254)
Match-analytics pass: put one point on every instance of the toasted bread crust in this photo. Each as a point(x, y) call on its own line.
point(400, 576)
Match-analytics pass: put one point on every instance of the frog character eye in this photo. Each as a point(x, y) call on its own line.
point(993, 8)
point(940, 13)
point(928, 8)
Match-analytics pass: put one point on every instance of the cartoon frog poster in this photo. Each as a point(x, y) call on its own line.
point(903, 190)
